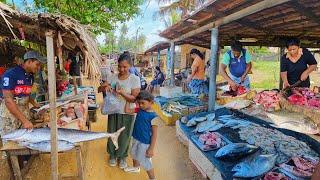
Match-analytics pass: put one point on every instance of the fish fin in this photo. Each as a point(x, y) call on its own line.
point(114, 137)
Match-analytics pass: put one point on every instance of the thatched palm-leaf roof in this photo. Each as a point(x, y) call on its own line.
point(34, 27)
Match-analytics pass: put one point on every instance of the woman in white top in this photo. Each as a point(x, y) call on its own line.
point(127, 92)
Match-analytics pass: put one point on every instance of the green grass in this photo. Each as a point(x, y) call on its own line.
point(266, 75)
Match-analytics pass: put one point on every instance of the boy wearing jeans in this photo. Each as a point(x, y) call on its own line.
point(144, 134)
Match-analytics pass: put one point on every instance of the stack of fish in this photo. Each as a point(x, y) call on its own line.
point(268, 99)
point(299, 167)
point(275, 142)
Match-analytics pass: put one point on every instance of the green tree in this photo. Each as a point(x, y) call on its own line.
point(100, 14)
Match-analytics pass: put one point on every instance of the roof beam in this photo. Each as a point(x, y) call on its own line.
point(305, 11)
point(255, 26)
point(233, 17)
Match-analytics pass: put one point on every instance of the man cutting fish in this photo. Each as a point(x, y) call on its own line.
point(16, 85)
point(238, 60)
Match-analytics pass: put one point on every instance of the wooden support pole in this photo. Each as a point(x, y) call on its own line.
point(159, 63)
point(213, 64)
point(52, 100)
point(265, 4)
point(167, 60)
point(281, 53)
point(172, 63)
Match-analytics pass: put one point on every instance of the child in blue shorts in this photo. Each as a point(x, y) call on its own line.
point(144, 134)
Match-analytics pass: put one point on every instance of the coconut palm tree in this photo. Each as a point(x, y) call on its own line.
point(176, 10)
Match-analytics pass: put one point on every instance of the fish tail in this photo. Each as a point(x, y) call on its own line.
point(114, 137)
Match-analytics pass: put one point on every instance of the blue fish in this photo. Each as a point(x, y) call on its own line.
point(254, 166)
point(235, 151)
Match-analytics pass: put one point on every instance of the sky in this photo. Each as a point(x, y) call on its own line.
point(145, 23)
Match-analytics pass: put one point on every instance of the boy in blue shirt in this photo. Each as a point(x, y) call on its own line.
point(144, 134)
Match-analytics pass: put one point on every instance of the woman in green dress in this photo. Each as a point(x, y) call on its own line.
point(127, 87)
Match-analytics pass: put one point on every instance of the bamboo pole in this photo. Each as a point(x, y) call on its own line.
point(233, 17)
point(52, 100)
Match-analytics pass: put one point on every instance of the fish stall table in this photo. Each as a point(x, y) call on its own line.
point(13, 150)
point(216, 169)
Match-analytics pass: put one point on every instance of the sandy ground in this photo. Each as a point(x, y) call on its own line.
point(171, 160)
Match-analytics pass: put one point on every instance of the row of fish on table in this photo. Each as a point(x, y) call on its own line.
point(263, 153)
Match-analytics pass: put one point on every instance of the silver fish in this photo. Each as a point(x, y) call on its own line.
point(195, 120)
point(238, 104)
point(45, 146)
point(298, 124)
point(206, 125)
point(235, 124)
point(254, 166)
point(39, 139)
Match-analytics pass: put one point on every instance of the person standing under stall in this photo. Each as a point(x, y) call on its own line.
point(297, 64)
point(238, 60)
point(127, 92)
point(197, 78)
point(16, 85)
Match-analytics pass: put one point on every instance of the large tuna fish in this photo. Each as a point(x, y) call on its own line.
point(254, 166)
point(235, 150)
point(39, 139)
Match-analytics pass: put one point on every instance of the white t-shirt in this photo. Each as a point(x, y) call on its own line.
point(132, 82)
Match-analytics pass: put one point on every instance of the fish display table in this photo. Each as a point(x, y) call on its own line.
point(13, 150)
point(214, 168)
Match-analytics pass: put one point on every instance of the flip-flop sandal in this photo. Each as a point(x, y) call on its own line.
point(132, 169)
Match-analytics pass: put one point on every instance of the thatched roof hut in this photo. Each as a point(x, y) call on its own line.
point(68, 33)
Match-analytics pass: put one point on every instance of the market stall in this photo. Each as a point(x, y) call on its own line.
point(56, 35)
point(254, 23)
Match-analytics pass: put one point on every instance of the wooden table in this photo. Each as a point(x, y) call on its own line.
point(13, 150)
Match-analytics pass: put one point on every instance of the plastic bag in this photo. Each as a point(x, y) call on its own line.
point(111, 104)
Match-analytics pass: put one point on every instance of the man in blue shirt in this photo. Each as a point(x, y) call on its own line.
point(238, 60)
point(16, 85)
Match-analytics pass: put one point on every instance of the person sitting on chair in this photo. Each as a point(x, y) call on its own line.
point(158, 79)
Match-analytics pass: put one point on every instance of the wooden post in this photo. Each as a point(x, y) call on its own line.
point(172, 63)
point(281, 53)
point(213, 64)
point(52, 100)
point(167, 60)
point(159, 63)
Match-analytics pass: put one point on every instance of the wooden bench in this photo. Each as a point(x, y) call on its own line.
point(13, 150)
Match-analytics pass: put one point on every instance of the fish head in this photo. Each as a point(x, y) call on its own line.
point(241, 169)
point(16, 134)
